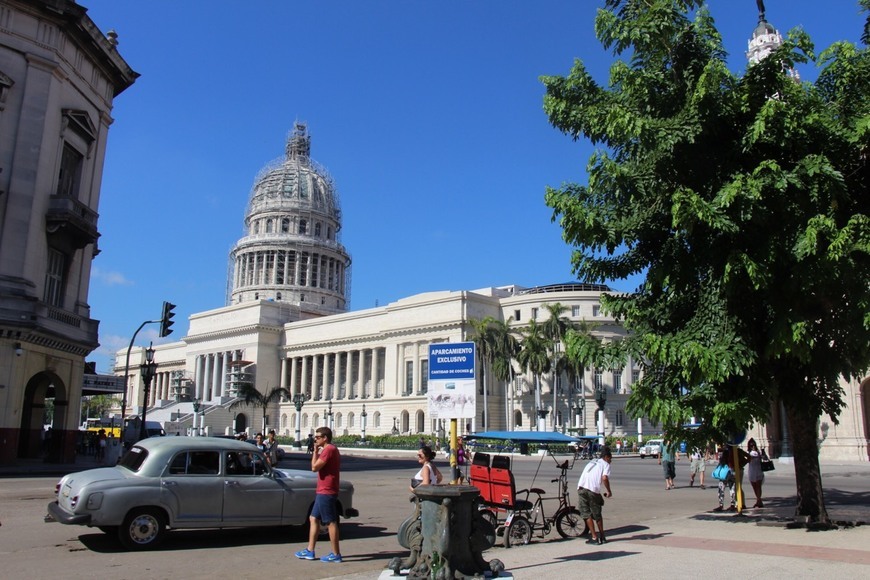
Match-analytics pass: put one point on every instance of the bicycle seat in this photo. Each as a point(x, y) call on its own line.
point(537, 490)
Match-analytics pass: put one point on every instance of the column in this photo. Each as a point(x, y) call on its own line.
point(198, 377)
point(282, 382)
point(304, 385)
point(348, 365)
point(327, 392)
point(294, 380)
point(215, 376)
point(362, 372)
point(374, 370)
point(315, 388)
point(225, 359)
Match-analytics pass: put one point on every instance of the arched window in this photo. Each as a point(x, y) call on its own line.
point(269, 226)
point(376, 419)
point(285, 225)
point(317, 230)
point(256, 227)
point(278, 296)
point(518, 418)
point(303, 227)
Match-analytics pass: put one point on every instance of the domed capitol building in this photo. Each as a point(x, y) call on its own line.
point(286, 324)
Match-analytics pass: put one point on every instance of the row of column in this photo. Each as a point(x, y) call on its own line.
point(348, 374)
point(210, 374)
point(289, 268)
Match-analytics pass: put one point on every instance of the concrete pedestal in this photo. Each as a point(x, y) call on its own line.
point(446, 536)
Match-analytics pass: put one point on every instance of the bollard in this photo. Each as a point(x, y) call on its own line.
point(446, 535)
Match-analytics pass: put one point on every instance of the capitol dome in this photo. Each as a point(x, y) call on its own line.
point(292, 251)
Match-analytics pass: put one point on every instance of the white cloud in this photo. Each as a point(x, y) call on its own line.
point(110, 278)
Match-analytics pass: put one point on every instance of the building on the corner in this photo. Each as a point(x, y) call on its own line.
point(59, 75)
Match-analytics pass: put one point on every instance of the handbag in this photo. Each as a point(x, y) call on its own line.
point(766, 463)
point(722, 472)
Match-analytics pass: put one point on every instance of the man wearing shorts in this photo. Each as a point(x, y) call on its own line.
point(326, 462)
point(590, 498)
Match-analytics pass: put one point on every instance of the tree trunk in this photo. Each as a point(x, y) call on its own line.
point(808, 476)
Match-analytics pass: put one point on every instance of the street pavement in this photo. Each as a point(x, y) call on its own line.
point(755, 544)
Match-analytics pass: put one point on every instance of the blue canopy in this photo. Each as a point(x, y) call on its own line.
point(553, 437)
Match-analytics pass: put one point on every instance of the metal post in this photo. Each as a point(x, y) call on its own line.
point(364, 416)
point(298, 402)
point(148, 369)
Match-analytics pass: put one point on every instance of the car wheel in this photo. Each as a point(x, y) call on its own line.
point(569, 524)
point(518, 533)
point(143, 529)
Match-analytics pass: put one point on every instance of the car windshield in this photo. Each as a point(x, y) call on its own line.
point(134, 458)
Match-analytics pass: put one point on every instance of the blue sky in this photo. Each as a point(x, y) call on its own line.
point(428, 115)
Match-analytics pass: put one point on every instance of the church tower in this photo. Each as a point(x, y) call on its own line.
point(765, 39)
point(292, 251)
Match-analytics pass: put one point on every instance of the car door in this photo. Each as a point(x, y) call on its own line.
point(192, 488)
point(252, 496)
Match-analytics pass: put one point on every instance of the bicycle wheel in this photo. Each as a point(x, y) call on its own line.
point(518, 533)
point(569, 524)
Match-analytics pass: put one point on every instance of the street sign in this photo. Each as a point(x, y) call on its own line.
point(451, 391)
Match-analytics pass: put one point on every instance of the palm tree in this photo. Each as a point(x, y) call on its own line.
point(554, 329)
point(249, 396)
point(504, 349)
point(533, 357)
point(483, 340)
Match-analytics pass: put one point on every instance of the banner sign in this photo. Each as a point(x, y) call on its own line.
point(451, 392)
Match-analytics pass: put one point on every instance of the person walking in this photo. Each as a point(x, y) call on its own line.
point(590, 497)
point(668, 456)
point(272, 448)
point(428, 474)
point(698, 466)
point(754, 472)
point(326, 463)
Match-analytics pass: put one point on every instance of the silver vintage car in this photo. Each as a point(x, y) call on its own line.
point(188, 482)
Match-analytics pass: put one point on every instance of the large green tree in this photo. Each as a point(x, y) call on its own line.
point(742, 202)
point(534, 357)
point(249, 396)
point(554, 329)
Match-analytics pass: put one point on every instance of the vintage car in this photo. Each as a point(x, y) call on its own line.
point(188, 482)
point(652, 448)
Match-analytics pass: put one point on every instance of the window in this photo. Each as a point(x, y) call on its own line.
point(575, 311)
point(424, 376)
point(256, 228)
point(617, 380)
point(534, 313)
point(596, 310)
point(517, 315)
point(599, 379)
point(285, 225)
point(269, 226)
point(195, 463)
point(70, 175)
point(317, 230)
point(409, 377)
point(620, 418)
point(245, 463)
point(54, 278)
point(303, 227)
point(635, 376)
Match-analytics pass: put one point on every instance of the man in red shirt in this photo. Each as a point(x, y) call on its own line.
point(326, 462)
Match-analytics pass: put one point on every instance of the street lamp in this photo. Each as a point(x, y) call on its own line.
point(196, 403)
point(328, 415)
point(299, 400)
point(395, 430)
point(601, 399)
point(148, 370)
point(364, 416)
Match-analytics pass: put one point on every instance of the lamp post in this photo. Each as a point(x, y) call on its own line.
point(328, 415)
point(601, 399)
point(364, 416)
point(395, 430)
point(148, 370)
point(196, 403)
point(299, 400)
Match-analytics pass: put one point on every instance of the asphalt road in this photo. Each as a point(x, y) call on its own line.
point(30, 548)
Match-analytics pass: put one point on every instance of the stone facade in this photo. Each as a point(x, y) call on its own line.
point(59, 75)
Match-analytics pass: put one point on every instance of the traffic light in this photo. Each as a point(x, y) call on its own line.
point(166, 319)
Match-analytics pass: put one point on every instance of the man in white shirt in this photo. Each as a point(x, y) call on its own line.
point(590, 497)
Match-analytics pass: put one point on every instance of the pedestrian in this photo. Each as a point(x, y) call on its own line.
point(668, 456)
point(619, 447)
point(724, 472)
point(754, 472)
point(326, 463)
point(310, 443)
point(428, 474)
point(698, 466)
point(272, 448)
point(590, 497)
point(421, 443)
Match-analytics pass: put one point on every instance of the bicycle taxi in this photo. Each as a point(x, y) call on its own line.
point(517, 514)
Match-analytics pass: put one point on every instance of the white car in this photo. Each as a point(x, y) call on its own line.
point(188, 482)
point(652, 448)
